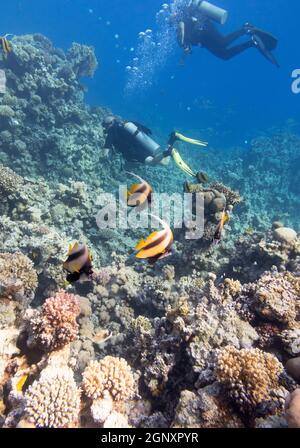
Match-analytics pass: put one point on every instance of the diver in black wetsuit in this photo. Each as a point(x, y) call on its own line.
point(133, 140)
point(195, 28)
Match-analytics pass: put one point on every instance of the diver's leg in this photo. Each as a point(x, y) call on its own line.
point(227, 40)
point(228, 53)
point(216, 42)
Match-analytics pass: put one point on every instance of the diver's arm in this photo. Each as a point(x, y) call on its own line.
point(109, 142)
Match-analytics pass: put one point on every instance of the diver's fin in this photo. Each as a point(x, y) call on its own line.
point(181, 163)
point(192, 141)
point(260, 45)
point(269, 40)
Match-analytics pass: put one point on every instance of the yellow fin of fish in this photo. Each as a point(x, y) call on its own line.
point(76, 246)
point(21, 382)
point(226, 218)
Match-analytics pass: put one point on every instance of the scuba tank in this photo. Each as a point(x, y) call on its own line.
point(213, 12)
point(151, 148)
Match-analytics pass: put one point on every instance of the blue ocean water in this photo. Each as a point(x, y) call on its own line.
point(239, 99)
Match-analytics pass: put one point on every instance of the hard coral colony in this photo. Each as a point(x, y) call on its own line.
point(209, 337)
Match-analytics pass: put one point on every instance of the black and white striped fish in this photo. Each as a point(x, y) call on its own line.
point(79, 263)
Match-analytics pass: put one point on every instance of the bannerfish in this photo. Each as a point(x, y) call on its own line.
point(5, 45)
point(220, 227)
point(79, 263)
point(157, 246)
point(139, 193)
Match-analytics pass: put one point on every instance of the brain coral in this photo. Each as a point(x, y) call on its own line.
point(110, 374)
point(17, 276)
point(249, 375)
point(54, 326)
point(54, 400)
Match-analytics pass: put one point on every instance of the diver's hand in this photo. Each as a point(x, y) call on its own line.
point(187, 51)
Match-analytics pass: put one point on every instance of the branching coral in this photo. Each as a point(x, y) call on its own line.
point(250, 376)
point(110, 374)
point(54, 326)
point(54, 400)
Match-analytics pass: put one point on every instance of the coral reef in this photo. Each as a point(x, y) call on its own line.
point(208, 338)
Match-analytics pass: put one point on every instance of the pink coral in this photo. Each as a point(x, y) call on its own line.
point(54, 326)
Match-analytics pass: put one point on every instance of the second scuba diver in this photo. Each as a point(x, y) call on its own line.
point(195, 27)
point(134, 141)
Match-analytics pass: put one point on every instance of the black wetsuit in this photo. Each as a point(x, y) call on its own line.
point(199, 30)
point(119, 139)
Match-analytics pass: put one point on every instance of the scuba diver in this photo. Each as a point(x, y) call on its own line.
point(134, 141)
point(195, 28)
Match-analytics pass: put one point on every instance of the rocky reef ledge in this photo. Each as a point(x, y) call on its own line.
point(45, 126)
